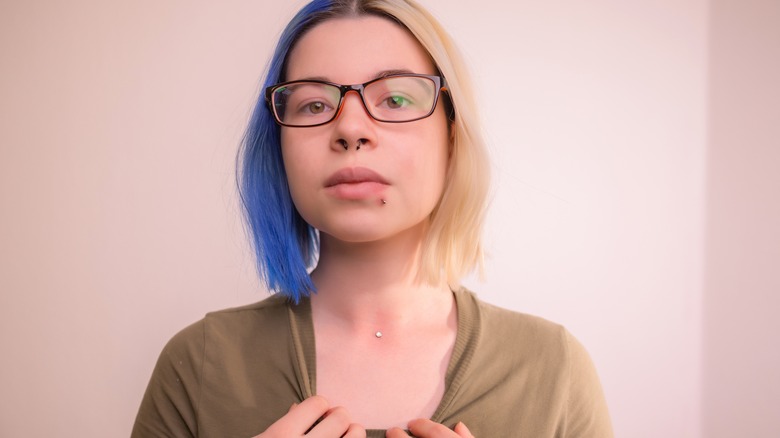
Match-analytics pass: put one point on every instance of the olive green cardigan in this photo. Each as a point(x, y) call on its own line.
point(236, 371)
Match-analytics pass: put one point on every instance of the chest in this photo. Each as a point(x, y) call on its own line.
point(387, 381)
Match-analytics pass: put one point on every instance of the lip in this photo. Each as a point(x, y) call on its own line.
point(354, 175)
point(355, 183)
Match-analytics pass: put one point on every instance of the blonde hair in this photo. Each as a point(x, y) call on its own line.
point(453, 244)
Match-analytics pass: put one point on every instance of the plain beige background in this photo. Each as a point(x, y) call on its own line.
point(636, 157)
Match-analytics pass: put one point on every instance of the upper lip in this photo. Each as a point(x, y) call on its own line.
point(354, 175)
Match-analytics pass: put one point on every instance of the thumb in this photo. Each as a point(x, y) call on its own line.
point(462, 430)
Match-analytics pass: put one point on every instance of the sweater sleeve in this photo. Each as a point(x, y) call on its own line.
point(170, 405)
point(586, 408)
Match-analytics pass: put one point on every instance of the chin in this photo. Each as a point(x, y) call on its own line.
point(362, 233)
point(355, 236)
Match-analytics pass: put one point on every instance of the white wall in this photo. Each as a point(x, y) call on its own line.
point(741, 348)
point(598, 130)
point(119, 225)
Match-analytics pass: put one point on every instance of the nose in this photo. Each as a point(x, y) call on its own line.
point(353, 129)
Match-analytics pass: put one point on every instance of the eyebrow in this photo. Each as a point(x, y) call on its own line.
point(381, 74)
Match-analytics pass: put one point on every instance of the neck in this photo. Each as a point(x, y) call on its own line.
point(375, 284)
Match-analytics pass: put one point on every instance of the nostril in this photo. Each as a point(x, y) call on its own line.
point(343, 143)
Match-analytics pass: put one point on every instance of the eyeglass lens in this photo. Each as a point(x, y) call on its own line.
point(391, 99)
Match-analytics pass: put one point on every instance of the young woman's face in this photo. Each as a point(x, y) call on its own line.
point(392, 182)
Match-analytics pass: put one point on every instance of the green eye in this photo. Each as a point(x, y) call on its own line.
point(397, 102)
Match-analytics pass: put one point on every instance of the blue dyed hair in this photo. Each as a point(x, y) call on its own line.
point(285, 244)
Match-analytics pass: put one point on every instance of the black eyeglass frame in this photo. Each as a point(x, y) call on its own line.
point(438, 81)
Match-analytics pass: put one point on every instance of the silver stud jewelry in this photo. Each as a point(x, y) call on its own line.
point(378, 335)
point(384, 202)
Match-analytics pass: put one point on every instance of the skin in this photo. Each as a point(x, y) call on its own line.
point(430, 429)
point(412, 157)
point(366, 278)
point(300, 418)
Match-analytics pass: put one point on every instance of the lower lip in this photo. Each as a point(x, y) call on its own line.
point(356, 191)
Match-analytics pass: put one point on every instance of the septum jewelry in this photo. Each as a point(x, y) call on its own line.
point(345, 145)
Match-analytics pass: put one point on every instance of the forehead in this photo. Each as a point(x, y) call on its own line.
point(354, 50)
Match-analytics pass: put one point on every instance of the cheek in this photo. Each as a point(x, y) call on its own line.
point(426, 168)
point(438, 155)
point(433, 166)
point(295, 159)
point(289, 161)
point(294, 167)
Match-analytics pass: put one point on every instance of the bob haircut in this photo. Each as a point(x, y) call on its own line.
point(285, 244)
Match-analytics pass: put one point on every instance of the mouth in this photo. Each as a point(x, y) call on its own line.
point(354, 175)
point(355, 184)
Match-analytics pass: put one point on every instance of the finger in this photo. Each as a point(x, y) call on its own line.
point(355, 431)
point(429, 429)
point(396, 432)
point(462, 430)
point(335, 423)
point(300, 417)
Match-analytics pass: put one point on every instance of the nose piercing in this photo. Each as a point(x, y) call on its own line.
point(345, 145)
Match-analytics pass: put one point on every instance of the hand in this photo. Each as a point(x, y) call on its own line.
point(428, 429)
point(314, 418)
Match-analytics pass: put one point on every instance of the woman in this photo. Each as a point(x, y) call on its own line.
point(363, 181)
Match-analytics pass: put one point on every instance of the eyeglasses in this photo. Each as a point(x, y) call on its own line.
point(393, 99)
